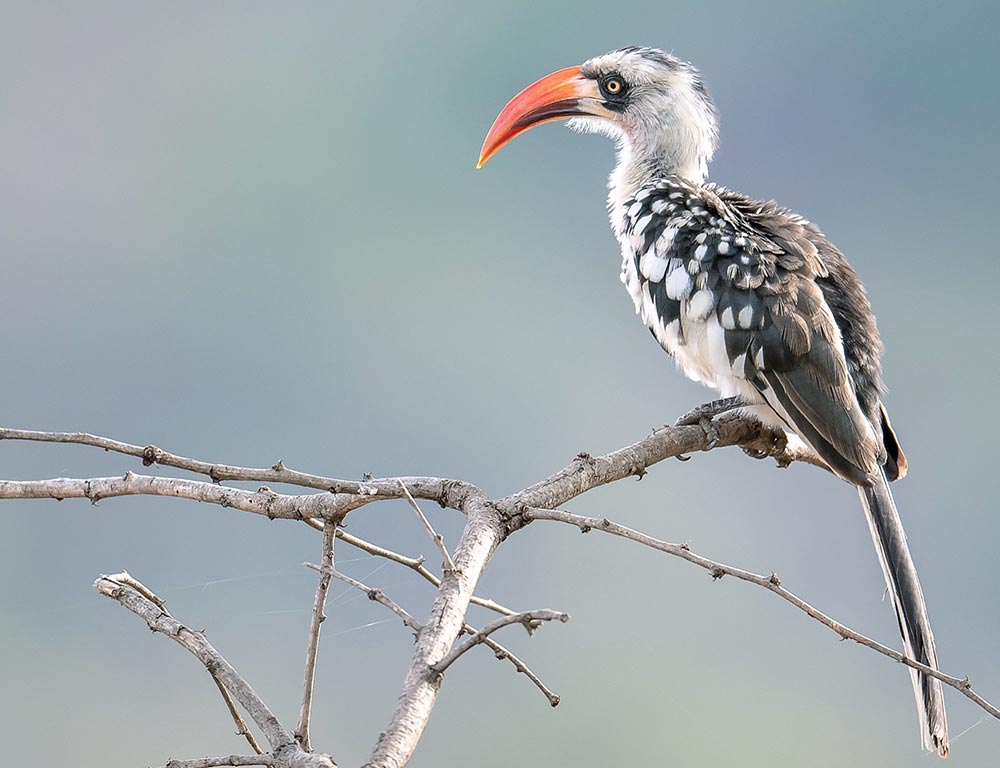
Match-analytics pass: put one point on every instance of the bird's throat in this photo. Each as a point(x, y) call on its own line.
point(636, 169)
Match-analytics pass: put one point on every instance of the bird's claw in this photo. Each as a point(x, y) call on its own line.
point(710, 431)
point(702, 416)
point(756, 453)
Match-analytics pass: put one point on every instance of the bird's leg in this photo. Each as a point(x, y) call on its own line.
point(703, 415)
point(709, 411)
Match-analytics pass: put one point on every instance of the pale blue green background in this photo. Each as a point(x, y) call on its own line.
point(248, 231)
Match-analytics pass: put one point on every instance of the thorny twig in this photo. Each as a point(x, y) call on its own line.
point(528, 618)
point(414, 563)
point(502, 653)
point(448, 564)
point(214, 762)
point(348, 494)
point(312, 647)
point(771, 583)
point(285, 751)
point(241, 726)
point(373, 594)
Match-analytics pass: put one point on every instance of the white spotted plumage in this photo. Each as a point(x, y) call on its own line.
point(696, 339)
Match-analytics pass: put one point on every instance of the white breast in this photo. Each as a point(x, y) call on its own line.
point(700, 350)
point(697, 341)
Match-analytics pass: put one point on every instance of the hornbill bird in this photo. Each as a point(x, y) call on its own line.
point(747, 296)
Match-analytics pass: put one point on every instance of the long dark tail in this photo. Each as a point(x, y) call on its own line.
point(911, 610)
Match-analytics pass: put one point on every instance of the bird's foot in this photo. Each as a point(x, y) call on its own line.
point(703, 415)
point(756, 453)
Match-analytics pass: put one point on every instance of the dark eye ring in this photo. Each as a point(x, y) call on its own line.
point(613, 85)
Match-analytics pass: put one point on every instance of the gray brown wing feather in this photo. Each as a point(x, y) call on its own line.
point(807, 383)
point(806, 367)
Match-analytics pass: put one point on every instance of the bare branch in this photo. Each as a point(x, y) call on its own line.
point(484, 529)
point(158, 620)
point(771, 583)
point(350, 494)
point(241, 725)
point(446, 562)
point(344, 495)
point(587, 472)
point(262, 502)
point(502, 653)
point(285, 752)
point(528, 619)
point(373, 594)
point(312, 647)
point(213, 762)
point(488, 522)
point(416, 564)
point(126, 578)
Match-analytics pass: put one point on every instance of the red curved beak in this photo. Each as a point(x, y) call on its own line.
point(558, 96)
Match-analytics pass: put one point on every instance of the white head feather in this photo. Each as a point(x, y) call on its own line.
point(668, 123)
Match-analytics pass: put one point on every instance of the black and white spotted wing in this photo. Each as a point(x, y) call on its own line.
point(733, 289)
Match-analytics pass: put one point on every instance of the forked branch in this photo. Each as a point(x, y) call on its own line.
point(285, 752)
point(771, 583)
point(446, 562)
point(502, 653)
point(414, 563)
point(529, 619)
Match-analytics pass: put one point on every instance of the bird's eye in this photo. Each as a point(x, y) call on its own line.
point(613, 86)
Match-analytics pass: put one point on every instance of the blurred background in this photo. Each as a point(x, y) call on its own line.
point(247, 231)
